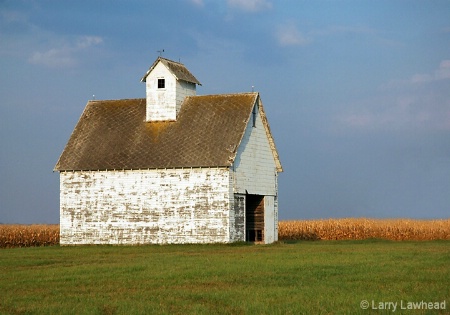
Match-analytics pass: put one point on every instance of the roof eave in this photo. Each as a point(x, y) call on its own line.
point(144, 78)
point(276, 157)
point(140, 168)
point(57, 167)
point(232, 157)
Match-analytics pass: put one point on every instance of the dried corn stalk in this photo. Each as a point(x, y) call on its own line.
point(358, 229)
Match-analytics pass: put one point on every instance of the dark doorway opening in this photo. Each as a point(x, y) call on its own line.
point(254, 218)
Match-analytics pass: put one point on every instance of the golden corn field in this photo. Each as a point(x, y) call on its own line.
point(28, 235)
point(358, 229)
point(331, 229)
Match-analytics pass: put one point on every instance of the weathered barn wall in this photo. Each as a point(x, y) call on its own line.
point(164, 104)
point(238, 224)
point(269, 220)
point(275, 218)
point(254, 172)
point(145, 206)
point(254, 166)
point(183, 89)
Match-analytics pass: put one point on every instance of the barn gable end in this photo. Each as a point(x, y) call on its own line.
point(255, 173)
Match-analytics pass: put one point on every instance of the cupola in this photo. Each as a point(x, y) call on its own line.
point(167, 84)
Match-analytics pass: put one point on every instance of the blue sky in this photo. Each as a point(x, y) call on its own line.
point(357, 92)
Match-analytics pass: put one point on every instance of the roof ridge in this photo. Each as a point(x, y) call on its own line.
point(227, 94)
point(179, 70)
point(143, 98)
point(119, 99)
point(171, 60)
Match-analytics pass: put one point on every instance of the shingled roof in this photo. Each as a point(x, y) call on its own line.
point(178, 69)
point(113, 134)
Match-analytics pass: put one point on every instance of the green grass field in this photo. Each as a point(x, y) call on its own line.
point(323, 277)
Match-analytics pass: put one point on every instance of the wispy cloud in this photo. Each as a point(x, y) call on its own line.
point(210, 44)
point(289, 35)
point(22, 38)
point(442, 73)
point(357, 32)
point(342, 29)
point(11, 16)
point(420, 102)
point(401, 113)
point(64, 54)
point(199, 3)
point(250, 5)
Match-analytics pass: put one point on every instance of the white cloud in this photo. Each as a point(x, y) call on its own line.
point(199, 3)
point(339, 29)
point(23, 39)
point(84, 42)
point(54, 57)
point(10, 16)
point(250, 5)
point(64, 53)
point(442, 73)
point(428, 112)
point(210, 44)
point(420, 102)
point(289, 35)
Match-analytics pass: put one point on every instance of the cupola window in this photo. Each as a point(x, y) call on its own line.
point(161, 83)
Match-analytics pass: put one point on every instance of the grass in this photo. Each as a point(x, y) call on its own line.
point(323, 277)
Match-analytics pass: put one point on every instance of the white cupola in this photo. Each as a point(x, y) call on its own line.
point(167, 84)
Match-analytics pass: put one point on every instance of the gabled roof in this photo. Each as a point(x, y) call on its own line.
point(178, 70)
point(114, 134)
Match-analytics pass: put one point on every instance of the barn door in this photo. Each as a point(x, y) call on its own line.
point(254, 218)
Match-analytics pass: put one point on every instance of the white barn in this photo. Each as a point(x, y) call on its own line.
point(171, 168)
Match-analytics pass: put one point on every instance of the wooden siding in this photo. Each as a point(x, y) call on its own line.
point(275, 218)
point(183, 89)
point(270, 220)
point(239, 218)
point(147, 206)
point(254, 166)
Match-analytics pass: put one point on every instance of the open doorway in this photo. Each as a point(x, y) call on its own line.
point(254, 218)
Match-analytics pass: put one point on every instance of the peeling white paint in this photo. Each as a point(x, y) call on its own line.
point(254, 166)
point(238, 219)
point(151, 206)
point(269, 220)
